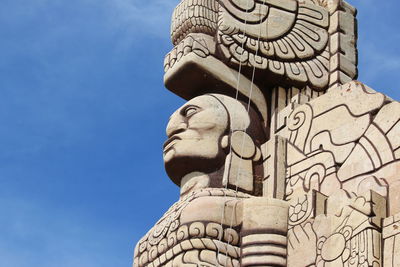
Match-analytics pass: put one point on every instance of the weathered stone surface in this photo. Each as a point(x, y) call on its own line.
point(293, 42)
point(391, 236)
point(263, 232)
point(215, 141)
point(282, 158)
point(274, 167)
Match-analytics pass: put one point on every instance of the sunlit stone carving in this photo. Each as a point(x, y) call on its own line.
point(282, 158)
point(287, 42)
point(208, 138)
point(213, 153)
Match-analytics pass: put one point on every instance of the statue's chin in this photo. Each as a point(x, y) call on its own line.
point(179, 167)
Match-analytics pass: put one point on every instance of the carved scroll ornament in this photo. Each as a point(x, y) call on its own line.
point(282, 159)
point(288, 42)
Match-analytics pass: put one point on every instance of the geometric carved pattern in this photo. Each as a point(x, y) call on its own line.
point(351, 130)
point(345, 235)
point(266, 248)
point(295, 42)
point(340, 146)
point(343, 52)
point(282, 48)
point(173, 242)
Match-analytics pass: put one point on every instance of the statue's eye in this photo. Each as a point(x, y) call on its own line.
point(189, 111)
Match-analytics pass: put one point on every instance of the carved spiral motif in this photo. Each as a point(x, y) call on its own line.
point(172, 240)
point(197, 229)
point(299, 124)
point(298, 117)
point(231, 236)
point(214, 230)
point(162, 246)
point(182, 233)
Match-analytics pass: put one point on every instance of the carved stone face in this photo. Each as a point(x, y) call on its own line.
point(195, 138)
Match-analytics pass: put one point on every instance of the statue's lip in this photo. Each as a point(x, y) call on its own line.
point(167, 143)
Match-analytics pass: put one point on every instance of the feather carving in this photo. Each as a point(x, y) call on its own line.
point(286, 38)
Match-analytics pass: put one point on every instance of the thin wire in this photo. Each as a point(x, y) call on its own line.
point(230, 143)
point(243, 138)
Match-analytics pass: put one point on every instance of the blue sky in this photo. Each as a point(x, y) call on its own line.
point(83, 112)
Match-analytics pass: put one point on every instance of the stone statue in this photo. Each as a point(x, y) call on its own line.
point(208, 138)
point(213, 152)
point(282, 158)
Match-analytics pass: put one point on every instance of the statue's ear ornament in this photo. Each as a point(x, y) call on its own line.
point(244, 147)
point(239, 166)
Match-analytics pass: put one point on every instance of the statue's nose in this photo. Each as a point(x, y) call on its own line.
point(175, 125)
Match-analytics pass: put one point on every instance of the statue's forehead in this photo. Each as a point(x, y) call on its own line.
point(205, 101)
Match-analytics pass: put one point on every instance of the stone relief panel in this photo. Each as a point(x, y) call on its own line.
point(348, 233)
point(340, 146)
point(335, 141)
point(287, 42)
